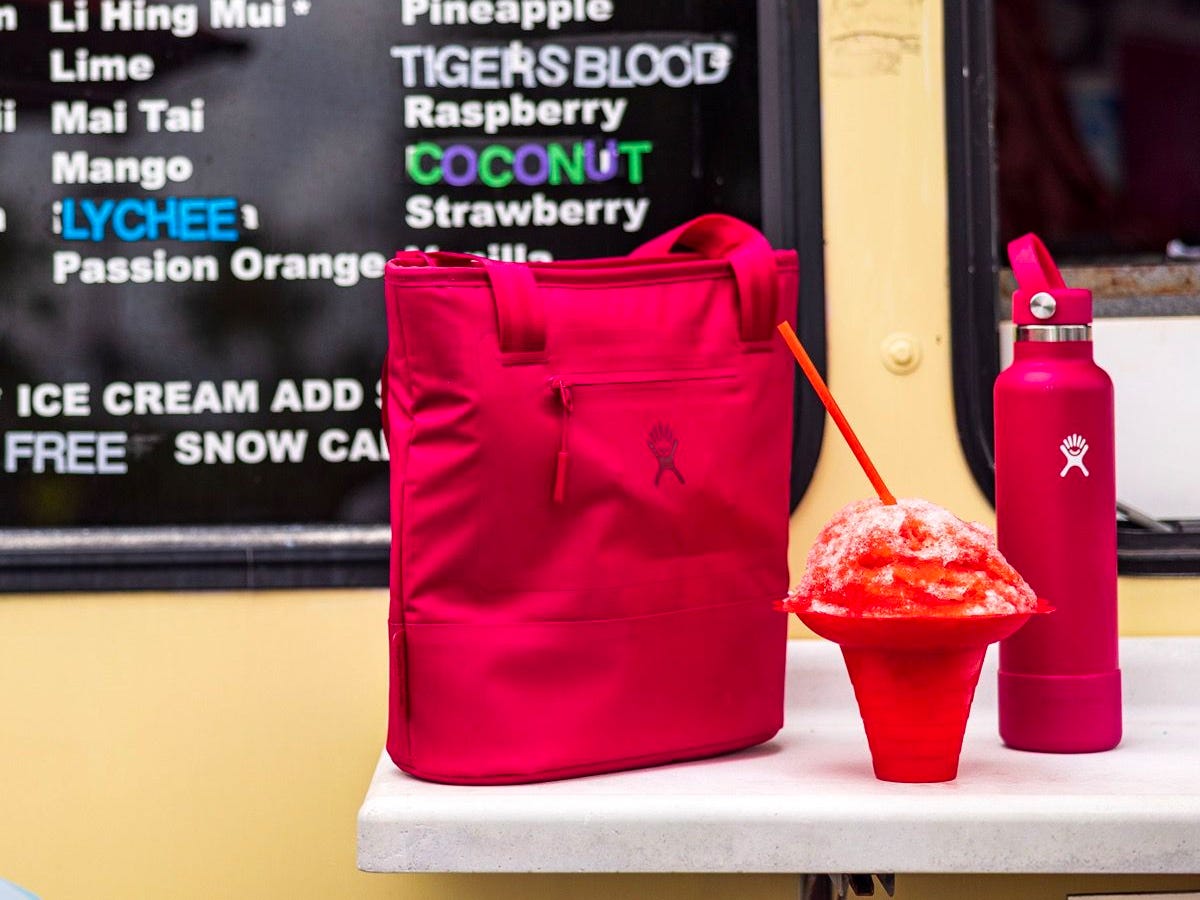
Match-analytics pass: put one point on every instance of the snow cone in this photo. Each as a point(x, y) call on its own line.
point(913, 595)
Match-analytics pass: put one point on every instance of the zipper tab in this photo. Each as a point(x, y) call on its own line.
point(564, 393)
point(563, 389)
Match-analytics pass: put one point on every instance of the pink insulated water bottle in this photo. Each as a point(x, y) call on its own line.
point(1060, 685)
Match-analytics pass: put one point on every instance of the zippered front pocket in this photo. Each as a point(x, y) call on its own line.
point(622, 493)
point(660, 439)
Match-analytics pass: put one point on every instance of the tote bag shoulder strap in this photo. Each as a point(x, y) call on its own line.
point(749, 255)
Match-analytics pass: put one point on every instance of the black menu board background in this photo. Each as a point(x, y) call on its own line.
point(213, 388)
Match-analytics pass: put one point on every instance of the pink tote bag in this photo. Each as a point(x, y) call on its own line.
point(589, 506)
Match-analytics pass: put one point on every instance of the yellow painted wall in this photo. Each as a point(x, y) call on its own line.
point(218, 744)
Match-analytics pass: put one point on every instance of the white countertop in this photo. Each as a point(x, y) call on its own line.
point(808, 802)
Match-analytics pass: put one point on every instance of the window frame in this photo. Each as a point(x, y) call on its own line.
point(975, 277)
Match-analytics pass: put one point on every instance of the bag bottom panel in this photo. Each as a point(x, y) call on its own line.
point(521, 702)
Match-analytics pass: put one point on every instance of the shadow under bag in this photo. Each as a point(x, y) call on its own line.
point(589, 506)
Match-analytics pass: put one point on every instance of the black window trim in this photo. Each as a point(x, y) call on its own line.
point(789, 34)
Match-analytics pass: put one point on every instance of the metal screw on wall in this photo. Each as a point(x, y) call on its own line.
point(901, 353)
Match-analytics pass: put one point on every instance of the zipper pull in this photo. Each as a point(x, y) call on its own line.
point(562, 463)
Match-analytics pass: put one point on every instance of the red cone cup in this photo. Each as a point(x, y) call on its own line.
point(914, 679)
point(914, 706)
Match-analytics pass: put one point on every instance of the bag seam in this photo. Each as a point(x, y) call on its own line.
point(707, 609)
point(408, 375)
point(435, 281)
point(599, 767)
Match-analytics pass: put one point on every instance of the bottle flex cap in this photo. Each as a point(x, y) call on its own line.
point(1042, 297)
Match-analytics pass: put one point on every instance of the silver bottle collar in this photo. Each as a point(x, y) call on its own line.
point(1050, 334)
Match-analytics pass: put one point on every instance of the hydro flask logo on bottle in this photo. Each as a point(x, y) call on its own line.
point(663, 444)
point(1074, 448)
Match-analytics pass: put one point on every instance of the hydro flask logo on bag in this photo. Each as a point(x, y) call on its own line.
point(663, 444)
point(1074, 448)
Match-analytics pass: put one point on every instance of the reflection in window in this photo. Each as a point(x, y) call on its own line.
point(1098, 124)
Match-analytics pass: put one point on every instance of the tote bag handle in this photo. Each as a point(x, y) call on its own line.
point(520, 312)
point(748, 253)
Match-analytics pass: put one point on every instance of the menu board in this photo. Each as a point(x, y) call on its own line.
point(197, 200)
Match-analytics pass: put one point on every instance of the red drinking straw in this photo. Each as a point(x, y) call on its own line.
point(835, 412)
